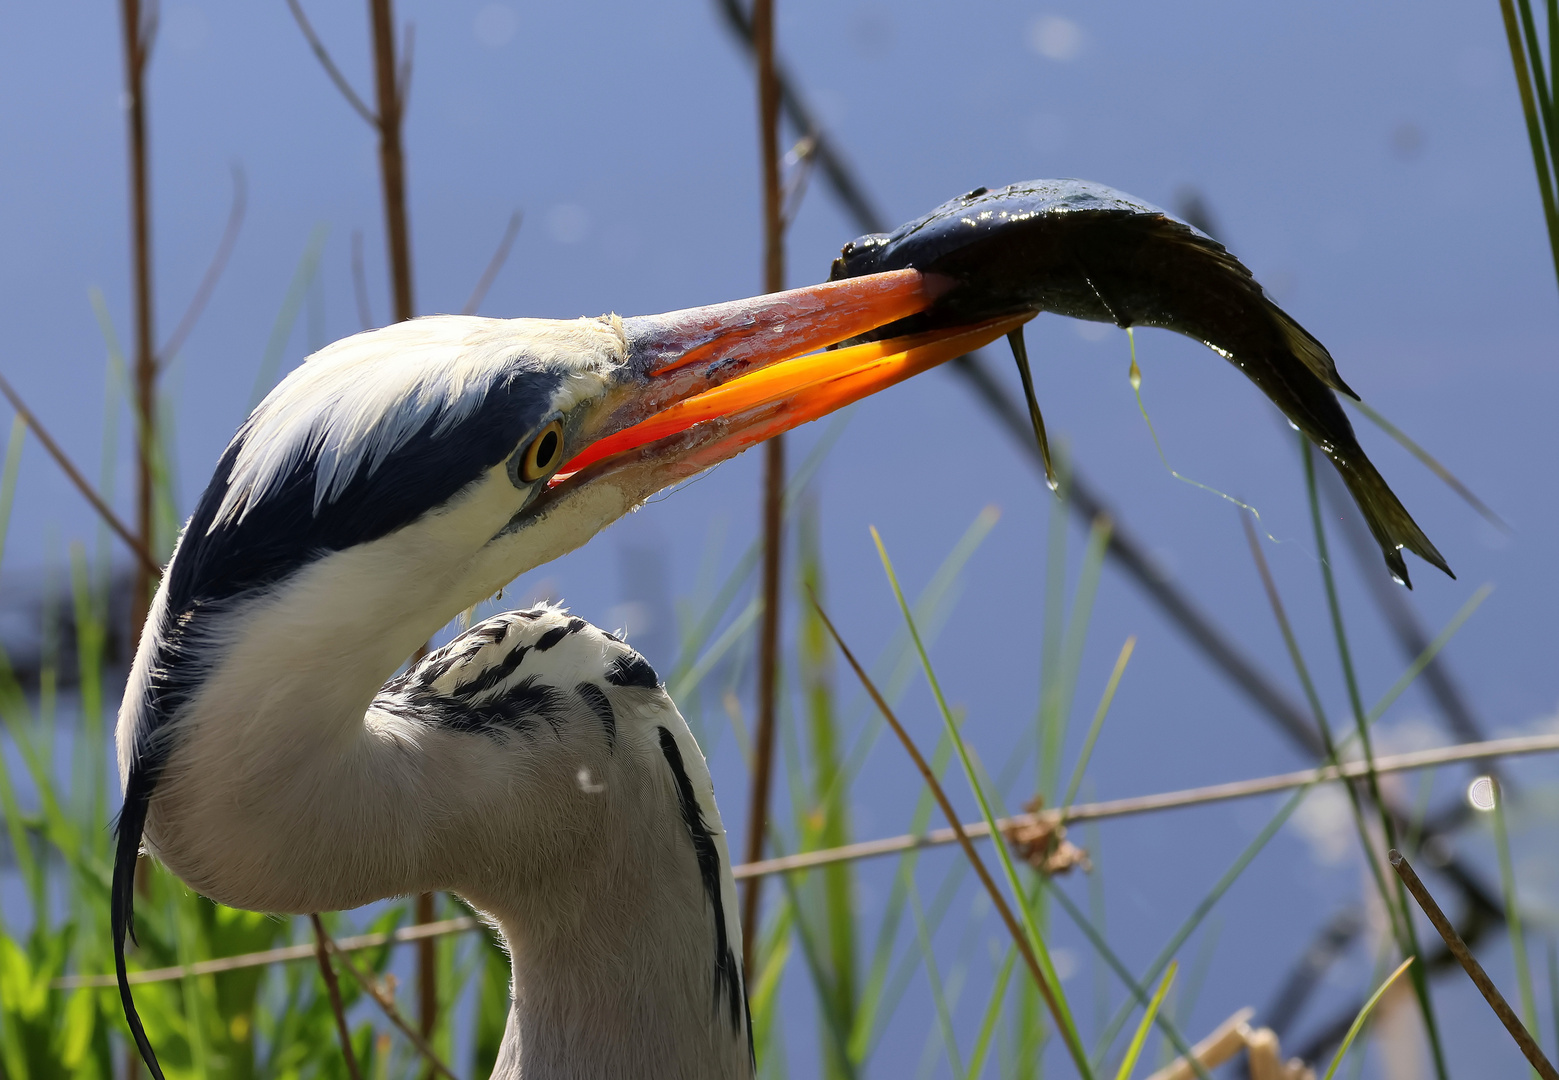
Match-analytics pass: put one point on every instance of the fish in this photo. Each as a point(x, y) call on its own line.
point(1084, 250)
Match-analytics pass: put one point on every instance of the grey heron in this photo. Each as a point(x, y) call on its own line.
point(272, 758)
point(534, 766)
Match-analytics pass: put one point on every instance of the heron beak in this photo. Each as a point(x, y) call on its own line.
point(704, 384)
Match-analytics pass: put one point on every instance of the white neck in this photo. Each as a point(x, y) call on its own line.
point(292, 789)
point(614, 973)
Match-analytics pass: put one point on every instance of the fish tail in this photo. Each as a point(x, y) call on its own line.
point(1389, 521)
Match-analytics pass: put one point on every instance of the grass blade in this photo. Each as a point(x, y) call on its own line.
point(1196, 978)
point(1290, 641)
point(1553, 986)
point(292, 303)
point(982, 1041)
point(1098, 720)
point(828, 824)
point(886, 1002)
point(812, 954)
point(1061, 685)
point(1507, 882)
point(1055, 609)
point(1020, 935)
point(1051, 985)
point(1134, 1049)
point(881, 995)
point(1355, 804)
point(8, 477)
point(1518, 62)
point(774, 954)
point(687, 683)
point(934, 978)
point(878, 991)
point(1358, 1021)
point(703, 627)
point(1402, 920)
point(1097, 920)
point(1545, 103)
point(932, 608)
point(1416, 668)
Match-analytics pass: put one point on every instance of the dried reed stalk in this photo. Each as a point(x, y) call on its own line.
point(773, 478)
point(143, 557)
point(386, 1002)
point(139, 28)
point(1475, 972)
point(333, 989)
point(998, 898)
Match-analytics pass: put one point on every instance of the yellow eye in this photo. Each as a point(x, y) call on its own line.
point(543, 454)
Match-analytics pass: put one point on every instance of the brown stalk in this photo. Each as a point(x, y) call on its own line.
point(773, 476)
point(138, 32)
point(427, 970)
point(323, 55)
point(208, 282)
point(333, 988)
point(1019, 938)
point(392, 157)
point(1475, 972)
point(494, 265)
point(386, 1002)
point(145, 562)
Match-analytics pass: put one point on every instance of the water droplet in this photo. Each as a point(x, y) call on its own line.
point(1480, 793)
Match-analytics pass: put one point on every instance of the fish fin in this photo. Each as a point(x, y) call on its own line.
point(1308, 351)
point(1393, 527)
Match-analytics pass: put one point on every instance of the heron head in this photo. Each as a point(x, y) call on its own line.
point(502, 444)
point(397, 478)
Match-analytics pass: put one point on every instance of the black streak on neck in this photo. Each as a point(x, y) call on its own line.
point(727, 974)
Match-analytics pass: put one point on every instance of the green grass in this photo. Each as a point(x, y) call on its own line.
point(1364, 1012)
point(1539, 90)
point(1513, 919)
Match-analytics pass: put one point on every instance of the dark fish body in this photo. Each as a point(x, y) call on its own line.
point(1084, 250)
